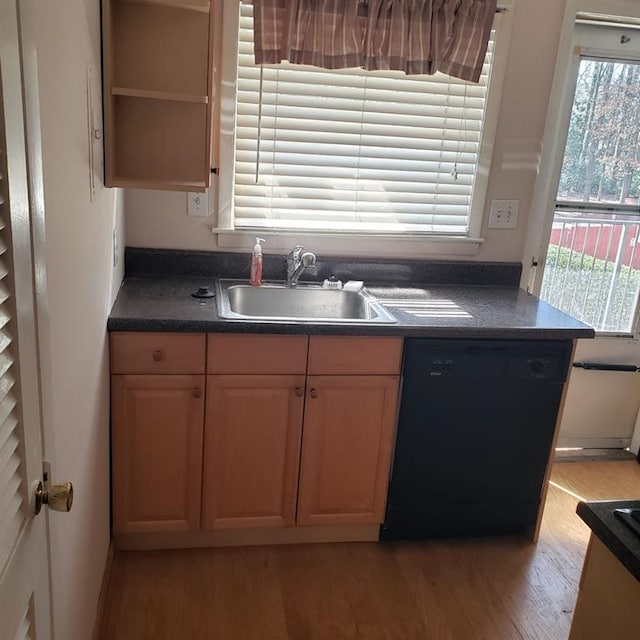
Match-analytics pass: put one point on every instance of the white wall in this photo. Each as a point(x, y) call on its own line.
point(81, 286)
point(158, 219)
point(602, 406)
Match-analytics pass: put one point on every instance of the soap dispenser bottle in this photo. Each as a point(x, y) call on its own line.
point(256, 264)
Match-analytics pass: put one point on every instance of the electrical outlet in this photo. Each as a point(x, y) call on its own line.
point(198, 204)
point(504, 214)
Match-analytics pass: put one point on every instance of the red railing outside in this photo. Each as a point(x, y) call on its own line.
point(599, 240)
point(592, 268)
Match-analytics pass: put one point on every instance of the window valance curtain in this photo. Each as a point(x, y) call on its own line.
point(414, 36)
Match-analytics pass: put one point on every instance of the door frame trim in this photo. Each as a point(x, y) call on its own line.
point(555, 132)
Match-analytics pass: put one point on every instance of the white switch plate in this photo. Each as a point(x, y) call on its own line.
point(504, 214)
point(198, 204)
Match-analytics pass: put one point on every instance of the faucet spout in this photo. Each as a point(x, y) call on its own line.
point(297, 263)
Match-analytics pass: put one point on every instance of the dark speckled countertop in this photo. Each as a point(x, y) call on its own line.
point(152, 299)
point(614, 534)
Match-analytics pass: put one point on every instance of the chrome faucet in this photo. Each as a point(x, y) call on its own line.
point(297, 262)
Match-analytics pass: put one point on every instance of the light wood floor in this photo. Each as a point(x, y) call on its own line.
point(491, 589)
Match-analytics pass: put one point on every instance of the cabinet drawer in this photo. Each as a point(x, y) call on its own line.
point(335, 355)
point(256, 354)
point(142, 352)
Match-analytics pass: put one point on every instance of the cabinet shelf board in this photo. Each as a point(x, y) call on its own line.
point(173, 4)
point(142, 183)
point(160, 95)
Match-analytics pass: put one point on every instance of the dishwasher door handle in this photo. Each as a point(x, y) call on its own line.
point(603, 366)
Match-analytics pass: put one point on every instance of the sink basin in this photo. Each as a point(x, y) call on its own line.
point(238, 300)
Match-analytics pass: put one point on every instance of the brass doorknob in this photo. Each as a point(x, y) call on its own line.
point(58, 498)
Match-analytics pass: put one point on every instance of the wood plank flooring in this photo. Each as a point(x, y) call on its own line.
point(483, 589)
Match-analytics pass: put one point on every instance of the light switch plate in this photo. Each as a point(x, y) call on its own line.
point(198, 204)
point(504, 214)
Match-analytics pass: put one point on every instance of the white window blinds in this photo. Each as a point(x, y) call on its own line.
point(354, 151)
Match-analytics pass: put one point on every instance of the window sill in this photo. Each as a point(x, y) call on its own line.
point(328, 244)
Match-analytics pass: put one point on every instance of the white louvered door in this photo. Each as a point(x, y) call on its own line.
point(24, 573)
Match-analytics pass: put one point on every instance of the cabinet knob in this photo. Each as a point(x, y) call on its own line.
point(313, 393)
point(197, 392)
point(299, 391)
point(158, 355)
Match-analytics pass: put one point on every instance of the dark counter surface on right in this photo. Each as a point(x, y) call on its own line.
point(612, 532)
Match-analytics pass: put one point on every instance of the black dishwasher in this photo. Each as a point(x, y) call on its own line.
point(475, 432)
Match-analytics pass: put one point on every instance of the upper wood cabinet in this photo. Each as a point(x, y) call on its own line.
point(159, 84)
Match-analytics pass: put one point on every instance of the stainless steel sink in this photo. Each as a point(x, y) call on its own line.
point(238, 300)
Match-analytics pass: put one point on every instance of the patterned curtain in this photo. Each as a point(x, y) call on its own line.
point(414, 36)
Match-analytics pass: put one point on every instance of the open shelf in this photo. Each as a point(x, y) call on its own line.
point(159, 140)
point(159, 50)
point(159, 95)
point(202, 7)
point(134, 183)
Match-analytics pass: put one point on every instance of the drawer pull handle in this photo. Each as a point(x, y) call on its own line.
point(197, 392)
point(313, 393)
point(158, 355)
point(299, 391)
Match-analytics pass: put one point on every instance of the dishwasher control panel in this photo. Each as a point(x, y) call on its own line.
point(469, 359)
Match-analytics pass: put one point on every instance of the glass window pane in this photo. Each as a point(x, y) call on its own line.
point(602, 156)
point(592, 269)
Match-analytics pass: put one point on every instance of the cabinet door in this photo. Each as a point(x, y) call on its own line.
point(252, 450)
point(349, 424)
point(157, 452)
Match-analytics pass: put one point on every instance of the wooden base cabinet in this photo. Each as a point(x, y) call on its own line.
point(157, 452)
point(346, 449)
point(252, 450)
point(608, 598)
point(217, 437)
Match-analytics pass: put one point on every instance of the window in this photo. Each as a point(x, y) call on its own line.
point(350, 151)
point(592, 269)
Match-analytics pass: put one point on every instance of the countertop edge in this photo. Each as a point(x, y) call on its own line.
point(230, 326)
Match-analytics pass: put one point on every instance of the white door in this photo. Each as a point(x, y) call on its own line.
point(592, 264)
point(24, 567)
